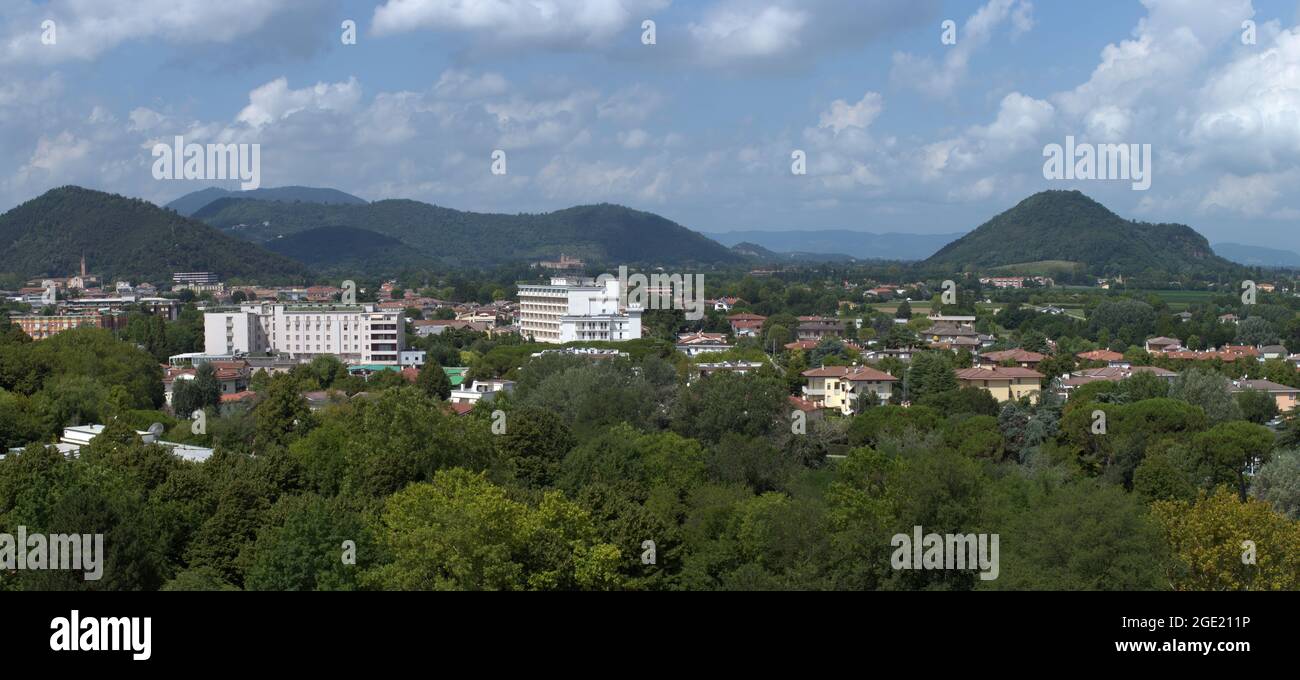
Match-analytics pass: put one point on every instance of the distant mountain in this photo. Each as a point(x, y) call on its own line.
point(840, 242)
point(1067, 226)
point(758, 253)
point(596, 233)
point(192, 202)
point(125, 238)
point(346, 247)
point(1258, 256)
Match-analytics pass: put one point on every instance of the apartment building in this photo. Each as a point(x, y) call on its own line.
point(572, 309)
point(39, 327)
point(356, 334)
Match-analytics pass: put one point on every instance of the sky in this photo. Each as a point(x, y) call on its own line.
point(901, 129)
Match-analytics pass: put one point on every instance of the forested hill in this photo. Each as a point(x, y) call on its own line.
point(1069, 226)
point(125, 238)
point(596, 233)
point(192, 202)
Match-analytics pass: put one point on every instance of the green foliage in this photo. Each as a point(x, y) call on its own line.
point(1067, 225)
point(461, 532)
point(603, 232)
point(125, 238)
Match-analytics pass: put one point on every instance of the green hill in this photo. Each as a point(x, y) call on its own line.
point(191, 203)
point(1069, 226)
point(346, 248)
point(597, 233)
point(125, 238)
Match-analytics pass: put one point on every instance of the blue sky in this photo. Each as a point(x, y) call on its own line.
point(901, 132)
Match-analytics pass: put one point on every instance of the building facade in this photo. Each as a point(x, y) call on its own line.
point(572, 309)
point(356, 334)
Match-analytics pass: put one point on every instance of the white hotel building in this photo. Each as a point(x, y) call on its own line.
point(356, 334)
point(573, 309)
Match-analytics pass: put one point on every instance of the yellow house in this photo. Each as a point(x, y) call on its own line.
point(1004, 383)
point(1285, 397)
point(838, 387)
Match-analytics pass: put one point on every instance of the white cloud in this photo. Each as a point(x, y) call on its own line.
point(860, 115)
point(87, 28)
point(553, 23)
point(274, 100)
point(941, 80)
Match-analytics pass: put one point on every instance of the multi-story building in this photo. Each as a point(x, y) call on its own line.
point(39, 327)
point(839, 387)
point(572, 309)
point(196, 278)
point(356, 334)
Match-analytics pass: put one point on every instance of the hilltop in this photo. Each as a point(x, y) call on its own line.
point(125, 238)
point(595, 233)
point(194, 201)
point(1069, 226)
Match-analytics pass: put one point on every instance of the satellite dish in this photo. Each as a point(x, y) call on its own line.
point(156, 429)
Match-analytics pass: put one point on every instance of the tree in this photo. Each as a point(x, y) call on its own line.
point(533, 446)
point(1209, 537)
point(1228, 452)
point(726, 402)
point(931, 373)
point(461, 532)
point(1209, 390)
point(1278, 483)
point(904, 310)
point(301, 546)
point(433, 381)
point(1083, 535)
point(1257, 406)
point(282, 414)
point(1256, 331)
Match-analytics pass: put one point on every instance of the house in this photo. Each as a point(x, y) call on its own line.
point(948, 332)
point(319, 399)
point(700, 342)
point(839, 387)
point(811, 409)
point(481, 390)
point(902, 354)
point(1069, 383)
point(1294, 359)
point(237, 402)
point(816, 328)
point(724, 304)
point(1004, 383)
point(1229, 318)
point(1183, 316)
point(1234, 352)
point(1023, 358)
point(746, 325)
point(1285, 397)
point(958, 321)
point(1105, 356)
point(1272, 352)
point(1163, 344)
point(739, 367)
